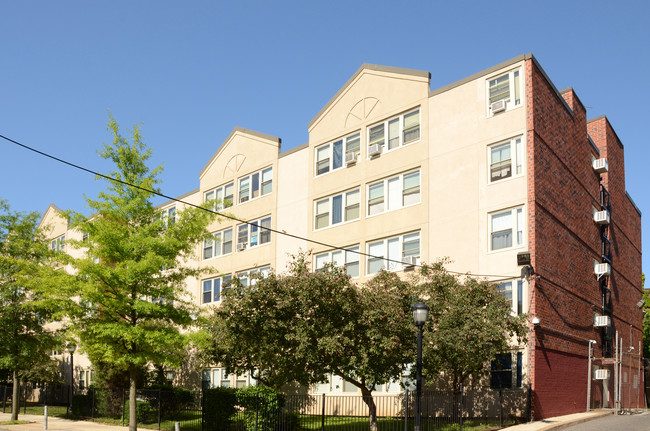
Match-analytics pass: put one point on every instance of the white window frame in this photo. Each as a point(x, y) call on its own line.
point(58, 244)
point(386, 198)
point(262, 180)
point(381, 250)
point(517, 228)
point(516, 289)
point(248, 278)
point(219, 194)
point(327, 149)
point(346, 257)
point(347, 203)
point(217, 242)
point(516, 158)
point(223, 281)
point(262, 234)
point(515, 88)
point(399, 121)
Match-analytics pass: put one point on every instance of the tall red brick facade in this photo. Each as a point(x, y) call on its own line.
point(564, 242)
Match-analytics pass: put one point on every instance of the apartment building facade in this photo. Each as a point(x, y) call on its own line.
point(493, 166)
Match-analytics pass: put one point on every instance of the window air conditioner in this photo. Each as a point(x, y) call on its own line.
point(374, 150)
point(410, 260)
point(241, 246)
point(602, 269)
point(601, 217)
point(350, 158)
point(601, 374)
point(498, 106)
point(600, 165)
point(601, 321)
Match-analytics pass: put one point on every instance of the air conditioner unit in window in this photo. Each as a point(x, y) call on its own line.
point(600, 165)
point(374, 150)
point(410, 260)
point(602, 321)
point(601, 269)
point(241, 246)
point(350, 158)
point(601, 374)
point(498, 106)
point(601, 217)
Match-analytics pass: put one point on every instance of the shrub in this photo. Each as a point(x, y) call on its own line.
point(144, 413)
point(219, 408)
point(172, 400)
point(82, 405)
point(262, 407)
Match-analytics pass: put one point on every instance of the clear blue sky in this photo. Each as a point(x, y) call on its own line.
point(190, 71)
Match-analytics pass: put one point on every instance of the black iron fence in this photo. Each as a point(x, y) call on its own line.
point(212, 410)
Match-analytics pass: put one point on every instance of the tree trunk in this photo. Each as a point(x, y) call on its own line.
point(133, 420)
point(372, 407)
point(15, 397)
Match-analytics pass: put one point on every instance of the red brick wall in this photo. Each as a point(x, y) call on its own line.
point(564, 241)
point(565, 383)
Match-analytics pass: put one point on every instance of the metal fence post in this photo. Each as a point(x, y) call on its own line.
point(123, 401)
point(322, 416)
point(257, 408)
point(500, 407)
point(406, 411)
point(461, 407)
point(25, 404)
point(92, 406)
point(159, 406)
point(4, 400)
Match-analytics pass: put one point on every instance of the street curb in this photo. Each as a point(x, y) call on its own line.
point(563, 425)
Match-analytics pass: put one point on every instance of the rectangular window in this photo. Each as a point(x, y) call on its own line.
point(515, 300)
point(504, 92)
point(58, 244)
point(394, 193)
point(223, 196)
point(219, 245)
point(213, 287)
point(396, 249)
point(506, 229)
point(505, 159)
point(348, 257)
point(501, 371)
point(255, 185)
point(397, 131)
point(250, 277)
point(253, 233)
point(340, 208)
point(329, 157)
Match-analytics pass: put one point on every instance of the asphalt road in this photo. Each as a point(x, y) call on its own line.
point(635, 422)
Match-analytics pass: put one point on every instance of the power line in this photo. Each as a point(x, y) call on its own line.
point(280, 232)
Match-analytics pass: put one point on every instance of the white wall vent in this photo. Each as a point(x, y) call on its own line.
point(601, 321)
point(600, 165)
point(601, 269)
point(350, 158)
point(241, 246)
point(374, 150)
point(601, 217)
point(601, 374)
point(498, 106)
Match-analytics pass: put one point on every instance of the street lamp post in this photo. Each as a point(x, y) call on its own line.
point(71, 349)
point(420, 314)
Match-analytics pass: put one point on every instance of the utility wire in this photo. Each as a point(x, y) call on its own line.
point(227, 216)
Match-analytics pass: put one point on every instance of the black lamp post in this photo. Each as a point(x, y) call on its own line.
point(71, 349)
point(420, 314)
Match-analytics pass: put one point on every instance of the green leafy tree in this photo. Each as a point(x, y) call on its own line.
point(28, 301)
point(470, 322)
point(304, 326)
point(132, 309)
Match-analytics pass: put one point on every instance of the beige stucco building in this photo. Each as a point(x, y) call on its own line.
point(403, 174)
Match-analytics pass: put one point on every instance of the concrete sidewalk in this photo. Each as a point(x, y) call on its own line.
point(36, 422)
point(57, 424)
